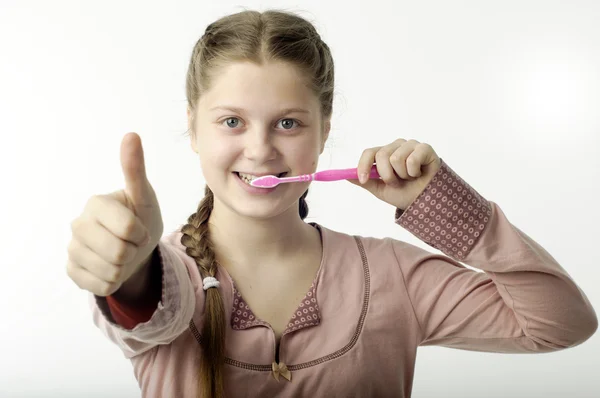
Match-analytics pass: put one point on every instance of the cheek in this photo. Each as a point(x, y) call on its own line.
point(305, 159)
point(216, 155)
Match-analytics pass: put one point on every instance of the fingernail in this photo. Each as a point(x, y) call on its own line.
point(147, 240)
point(363, 178)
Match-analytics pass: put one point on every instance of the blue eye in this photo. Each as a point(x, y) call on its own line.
point(287, 124)
point(232, 122)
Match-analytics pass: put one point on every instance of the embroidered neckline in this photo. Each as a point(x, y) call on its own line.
point(307, 314)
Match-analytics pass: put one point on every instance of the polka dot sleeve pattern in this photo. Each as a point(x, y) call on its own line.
point(448, 215)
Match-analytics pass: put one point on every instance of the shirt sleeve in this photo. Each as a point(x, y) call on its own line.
point(523, 301)
point(170, 316)
point(130, 315)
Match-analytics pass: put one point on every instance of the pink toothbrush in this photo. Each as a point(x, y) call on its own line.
point(325, 175)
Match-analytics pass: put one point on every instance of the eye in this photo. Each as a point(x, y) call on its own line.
point(232, 122)
point(288, 124)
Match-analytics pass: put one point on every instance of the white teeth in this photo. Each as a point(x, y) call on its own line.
point(248, 178)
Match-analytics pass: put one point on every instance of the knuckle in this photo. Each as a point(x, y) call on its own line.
point(114, 274)
point(121, 254)
point(129, 225)
point(110, 288)
point(71, 247)
point(369, 151)
point(75, 224)
point(383, 153)
point(92, 202)
point(395, 157)
point(104, 289)
point(69, 270)
point(73, 276)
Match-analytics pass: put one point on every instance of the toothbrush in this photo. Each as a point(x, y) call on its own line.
point(271, 181)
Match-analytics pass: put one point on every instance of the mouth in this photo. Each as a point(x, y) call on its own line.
point(248, 178)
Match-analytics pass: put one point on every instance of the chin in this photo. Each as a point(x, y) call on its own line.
point(261, 211)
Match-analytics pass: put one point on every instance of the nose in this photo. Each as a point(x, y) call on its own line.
point(259, 145)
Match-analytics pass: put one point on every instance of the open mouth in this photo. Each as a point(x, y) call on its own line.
point(248, 178)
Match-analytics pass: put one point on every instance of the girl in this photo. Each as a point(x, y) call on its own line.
point(247, 299)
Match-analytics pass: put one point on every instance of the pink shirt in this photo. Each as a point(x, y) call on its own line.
point(372, 303)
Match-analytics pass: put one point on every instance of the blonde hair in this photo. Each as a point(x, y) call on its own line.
point(256, 37)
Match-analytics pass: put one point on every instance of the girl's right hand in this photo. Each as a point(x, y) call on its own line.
point(116, 234)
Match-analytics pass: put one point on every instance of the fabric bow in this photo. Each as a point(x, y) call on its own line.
point(281, 369)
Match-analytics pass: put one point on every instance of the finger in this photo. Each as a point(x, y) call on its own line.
point(365, 163)
point(384, 167)
point(82, 255)
point(137, 186)
point(87, 281)
point(398, 159)
point(422, 156)
point(118, 219)
point(101, 241)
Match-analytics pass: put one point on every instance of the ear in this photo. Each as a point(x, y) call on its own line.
point(190, 125)
point(326, 129)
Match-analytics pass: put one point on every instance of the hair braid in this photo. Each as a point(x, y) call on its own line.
point(198, 245)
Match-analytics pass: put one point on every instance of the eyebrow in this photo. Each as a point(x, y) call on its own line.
point(240, 110)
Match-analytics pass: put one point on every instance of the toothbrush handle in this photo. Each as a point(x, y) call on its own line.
point(342, 174)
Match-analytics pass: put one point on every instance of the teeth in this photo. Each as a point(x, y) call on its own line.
point(248, 178)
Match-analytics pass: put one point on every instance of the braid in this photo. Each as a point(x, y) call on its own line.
point(197, 242)
point(303, 205)
point(196, 239)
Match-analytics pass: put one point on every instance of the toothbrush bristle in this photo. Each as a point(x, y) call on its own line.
point(265, 182)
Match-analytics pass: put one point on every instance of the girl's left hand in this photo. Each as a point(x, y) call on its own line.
point(405, 168)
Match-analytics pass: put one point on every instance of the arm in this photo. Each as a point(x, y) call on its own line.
point(524, 301)
point(168, 319)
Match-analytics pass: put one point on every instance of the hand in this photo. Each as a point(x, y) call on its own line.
point(117, 232)
point(405, 168)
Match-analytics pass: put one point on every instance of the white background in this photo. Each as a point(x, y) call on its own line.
point(507, 93)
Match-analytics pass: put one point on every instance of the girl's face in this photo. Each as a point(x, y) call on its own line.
point(258, 120)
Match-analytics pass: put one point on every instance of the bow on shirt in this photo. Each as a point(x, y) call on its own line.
point(281, 369)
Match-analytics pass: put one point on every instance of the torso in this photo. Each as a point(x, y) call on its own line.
point(364, 344)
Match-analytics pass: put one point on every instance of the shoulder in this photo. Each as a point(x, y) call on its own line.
point(375, 246)
point(388, 250)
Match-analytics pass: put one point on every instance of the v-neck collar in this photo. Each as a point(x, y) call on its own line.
point(307, 313)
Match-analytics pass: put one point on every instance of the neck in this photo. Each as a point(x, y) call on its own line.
point(250, 242)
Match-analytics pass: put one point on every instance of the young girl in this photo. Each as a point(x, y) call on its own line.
point(247, 299)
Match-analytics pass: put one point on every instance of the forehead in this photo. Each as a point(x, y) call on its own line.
point(271, 84)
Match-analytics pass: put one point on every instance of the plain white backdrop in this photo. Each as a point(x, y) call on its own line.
point(507, 93)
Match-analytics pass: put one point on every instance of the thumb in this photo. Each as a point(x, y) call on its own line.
point(137, 187)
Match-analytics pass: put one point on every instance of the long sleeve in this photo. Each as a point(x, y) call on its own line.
point(130, 315)
point(172, 314)
point(523, 301)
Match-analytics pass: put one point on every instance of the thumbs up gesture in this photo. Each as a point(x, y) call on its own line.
point(116, 233)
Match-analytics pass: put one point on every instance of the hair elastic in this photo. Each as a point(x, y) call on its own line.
point(209, 282)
